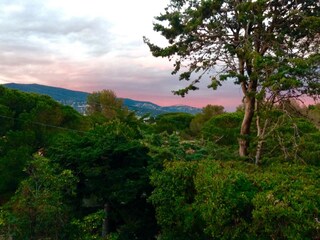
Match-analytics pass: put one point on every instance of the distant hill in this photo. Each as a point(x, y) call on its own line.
point(78, 99)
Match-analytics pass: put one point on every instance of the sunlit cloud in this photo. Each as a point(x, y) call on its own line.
point(93, 45)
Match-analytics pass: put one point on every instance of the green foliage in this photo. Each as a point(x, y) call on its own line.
point(173, 197)
point(34, 112)
point(29, 123)
point(313, 113)
point(11, 170)
point(89, 228)
point(294, 139)
point(173, 122)
point(16, 148)
point(207, 112)
point(97, 182)
point(164, 147)
point(270, 48)
point(37, 210)
point(287, 205)
point(111, 164)
point(224, 199)
point(309, 148)
point(104, 105)
point(223, 129)
point(6, 123)
point(235, 200)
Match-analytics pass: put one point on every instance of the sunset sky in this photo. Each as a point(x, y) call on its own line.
point(93, 45)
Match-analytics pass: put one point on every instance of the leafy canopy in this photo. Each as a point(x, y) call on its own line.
point(269, 47)
point(257, 43)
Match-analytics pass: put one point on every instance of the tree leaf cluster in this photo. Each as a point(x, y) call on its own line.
point(214, 199)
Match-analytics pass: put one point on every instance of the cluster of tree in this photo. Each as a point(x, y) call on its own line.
point(28, 123)
point(177, 176)
point(215, 175)
point(63, 173)
point(268, 47)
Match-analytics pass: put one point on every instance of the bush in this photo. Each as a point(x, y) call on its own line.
point(235, 200)
point(223, 129)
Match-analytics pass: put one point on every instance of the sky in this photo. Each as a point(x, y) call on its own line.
point(94, 45)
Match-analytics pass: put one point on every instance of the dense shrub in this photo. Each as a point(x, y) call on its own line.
point(223, 129)
point(234, 200)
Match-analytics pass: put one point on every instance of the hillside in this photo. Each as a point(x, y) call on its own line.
point(77, 100)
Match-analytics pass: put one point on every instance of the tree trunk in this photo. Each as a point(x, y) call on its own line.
point(244, 141)
point(261, 134)
point(105, 223)
point(258, 152)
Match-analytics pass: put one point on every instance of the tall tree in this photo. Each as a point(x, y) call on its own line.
point(112, 166)
point(269, 47)
point(105, 103)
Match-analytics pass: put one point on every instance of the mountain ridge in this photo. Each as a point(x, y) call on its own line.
point(77, 100)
